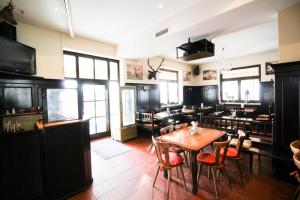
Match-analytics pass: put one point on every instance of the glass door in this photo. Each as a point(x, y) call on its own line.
point(128, 106)
point(95, 107)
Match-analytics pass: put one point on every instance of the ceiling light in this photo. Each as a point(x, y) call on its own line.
point(160, 5)
point(55, 8)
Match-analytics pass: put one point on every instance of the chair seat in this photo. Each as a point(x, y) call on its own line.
point(175, 159)
point(207, 158)
point(150, 125)
point(246, 144)
point(176, 150)
point(231, 152)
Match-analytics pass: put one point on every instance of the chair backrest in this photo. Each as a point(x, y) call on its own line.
point(217, 149)
point(162, 152)
point(180, 126)
point(146, 116)
point(242, 136)
point(166, 129)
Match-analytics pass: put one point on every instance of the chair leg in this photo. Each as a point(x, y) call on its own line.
point(156, 176)
point(186, 160)
point(199, 172)
point(177, 176)
point(215, 182)
point(227, 177)
point(218, 173)
point(169, 181)
point(181, 170)
point(251, 162)
point(208, 173)
point(240, 172)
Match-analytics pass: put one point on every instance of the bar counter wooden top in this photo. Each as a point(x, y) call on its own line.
point(40, 125)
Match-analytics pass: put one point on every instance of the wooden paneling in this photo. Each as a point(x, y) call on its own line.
point(148, 97)
point(20, 166)
point(287, 85)
point(195, 95)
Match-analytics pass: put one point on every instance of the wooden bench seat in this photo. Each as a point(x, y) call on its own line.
point(267, 152)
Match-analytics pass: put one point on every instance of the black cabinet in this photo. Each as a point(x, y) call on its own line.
point(287, 86)
point(195, 95)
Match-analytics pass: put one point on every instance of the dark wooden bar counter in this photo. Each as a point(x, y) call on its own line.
point(52, 162)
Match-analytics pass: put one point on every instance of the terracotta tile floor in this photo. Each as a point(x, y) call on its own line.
point(130, 175)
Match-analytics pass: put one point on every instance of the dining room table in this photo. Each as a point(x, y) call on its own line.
point(193, 144)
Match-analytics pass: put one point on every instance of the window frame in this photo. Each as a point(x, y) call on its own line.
point(239, 79)
point(82, 81)
point(170, 81)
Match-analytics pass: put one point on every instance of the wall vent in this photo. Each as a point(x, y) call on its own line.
point(160, 33)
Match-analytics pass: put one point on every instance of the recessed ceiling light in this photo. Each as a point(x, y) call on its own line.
point(160, 5)
point(55, 8)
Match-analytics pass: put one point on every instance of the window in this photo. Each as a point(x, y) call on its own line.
point(241, 84)
point(96, 80)
point(90, 67)
point(168, 82)
point(70, 66)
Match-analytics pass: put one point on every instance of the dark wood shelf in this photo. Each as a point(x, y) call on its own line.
point(20, 114)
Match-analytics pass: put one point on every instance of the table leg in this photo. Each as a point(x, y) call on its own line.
point(194, 171)
point(165, 174)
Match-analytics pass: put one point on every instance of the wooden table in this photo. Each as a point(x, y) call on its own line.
point(193, 144)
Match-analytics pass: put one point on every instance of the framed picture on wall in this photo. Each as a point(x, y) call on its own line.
point(209, 75)
point(135, 72)
point(187, 76)
point(269, 69)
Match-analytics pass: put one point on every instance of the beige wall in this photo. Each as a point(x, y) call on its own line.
point(244, 61)
point(289, 33)
point(155, 61)
point(50, 44)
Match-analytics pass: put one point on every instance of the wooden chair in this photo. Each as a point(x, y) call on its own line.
point(180, 126)
point(147, 122)
point(169, 129)
point(215, 162)
point(234, 154)
point(167, 160)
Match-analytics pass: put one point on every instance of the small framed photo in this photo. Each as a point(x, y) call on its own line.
point(269, 69)
point(187, 76)
point(210, 75)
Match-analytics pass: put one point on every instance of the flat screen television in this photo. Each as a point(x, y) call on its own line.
point(16, 57)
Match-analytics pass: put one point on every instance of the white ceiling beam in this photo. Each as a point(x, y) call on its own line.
point(71, 31)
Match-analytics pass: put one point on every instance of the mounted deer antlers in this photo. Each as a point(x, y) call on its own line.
point(152, 74)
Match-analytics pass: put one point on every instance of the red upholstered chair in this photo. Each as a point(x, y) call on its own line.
point(233, 153)
point(215, 163)
point(167, 160)
point(169, 129)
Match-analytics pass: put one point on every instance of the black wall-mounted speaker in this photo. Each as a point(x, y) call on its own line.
point(196, 71)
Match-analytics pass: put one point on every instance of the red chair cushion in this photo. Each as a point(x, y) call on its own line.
point(150, 125)
point(207, 158)
point(231, 152)
point(175, 159)
point(176, 150)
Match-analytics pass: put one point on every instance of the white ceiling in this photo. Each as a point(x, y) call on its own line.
point(242, 27)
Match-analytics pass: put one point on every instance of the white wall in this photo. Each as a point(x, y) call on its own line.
point(49, 47)
point(256, 59)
